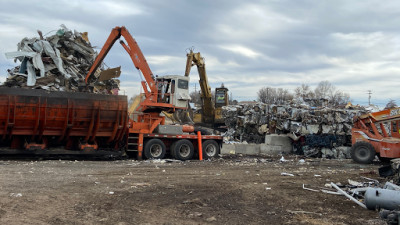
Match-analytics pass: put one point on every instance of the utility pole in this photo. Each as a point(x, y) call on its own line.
point(369, 92)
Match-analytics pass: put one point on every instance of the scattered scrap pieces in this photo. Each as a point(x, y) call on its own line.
point(287, 174)
point(303, 212)
point(372, 195)
point(348, 196)
point(309, 189)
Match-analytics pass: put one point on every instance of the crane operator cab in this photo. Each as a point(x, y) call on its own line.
point(173, 89)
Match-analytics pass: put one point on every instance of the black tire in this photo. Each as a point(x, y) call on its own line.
point(154, 149)
point(363, 152)
point(210, 149)
point(183, 150)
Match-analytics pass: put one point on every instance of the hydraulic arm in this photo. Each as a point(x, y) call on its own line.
point(206, 95)
point(160, 94)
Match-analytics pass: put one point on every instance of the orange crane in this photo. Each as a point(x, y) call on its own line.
point(148, 134)
point(157, 91)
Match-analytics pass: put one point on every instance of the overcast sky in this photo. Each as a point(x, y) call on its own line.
point(247, 44)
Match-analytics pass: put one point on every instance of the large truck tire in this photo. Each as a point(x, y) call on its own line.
point(154, 149)
point(210, 149)
point(362, 152)
point(183, 150)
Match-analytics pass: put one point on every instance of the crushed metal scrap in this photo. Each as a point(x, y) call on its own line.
point(59, 63)
point(318, 132)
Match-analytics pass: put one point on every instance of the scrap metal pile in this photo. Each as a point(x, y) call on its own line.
point(321, 132)
point(58, 63)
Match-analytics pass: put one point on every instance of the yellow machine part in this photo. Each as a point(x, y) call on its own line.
point(134, 105)
point(218, 116)
point(197, 118)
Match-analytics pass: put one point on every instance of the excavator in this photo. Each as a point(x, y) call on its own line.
point(210, 114)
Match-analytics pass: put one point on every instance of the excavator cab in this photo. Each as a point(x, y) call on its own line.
point(221, 97)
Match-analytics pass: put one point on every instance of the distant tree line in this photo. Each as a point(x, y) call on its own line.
point(324, 94)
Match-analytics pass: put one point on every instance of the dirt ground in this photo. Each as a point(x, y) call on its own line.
point(229, 190)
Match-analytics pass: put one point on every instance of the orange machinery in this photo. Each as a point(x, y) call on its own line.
point(148, 134)
point(370, 137)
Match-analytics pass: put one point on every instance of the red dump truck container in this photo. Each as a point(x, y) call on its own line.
point(37, 119)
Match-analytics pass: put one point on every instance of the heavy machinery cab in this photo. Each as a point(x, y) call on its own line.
point(174, 90)
point(221, 97)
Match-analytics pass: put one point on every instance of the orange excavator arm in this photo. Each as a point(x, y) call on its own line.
point(134, 52)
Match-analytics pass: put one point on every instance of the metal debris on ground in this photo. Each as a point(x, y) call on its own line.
point(59, 62)
point(322, 132)
point(287, 174)
point(371, 195)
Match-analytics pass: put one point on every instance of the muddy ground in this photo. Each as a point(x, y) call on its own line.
point(230, 190)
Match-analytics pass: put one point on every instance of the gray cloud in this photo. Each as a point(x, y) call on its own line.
point(247, 44)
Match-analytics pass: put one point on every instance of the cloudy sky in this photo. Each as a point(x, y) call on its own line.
point(247, 44)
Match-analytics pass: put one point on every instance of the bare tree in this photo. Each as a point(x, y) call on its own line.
point(391, 104)
point(283, 95)
point(304, 91)
point(339, 98)
point(263, 95)
point(324, 94)
point(271, 95)
point(324, 90)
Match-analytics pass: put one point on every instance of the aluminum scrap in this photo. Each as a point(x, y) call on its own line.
point(58, 62)
point(317, 128)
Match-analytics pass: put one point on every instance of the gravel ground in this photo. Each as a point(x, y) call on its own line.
point(228, 190)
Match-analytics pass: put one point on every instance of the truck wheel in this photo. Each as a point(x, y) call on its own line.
point(363, 152)
point(210, 149)
point(154, 149)
point(183, 150)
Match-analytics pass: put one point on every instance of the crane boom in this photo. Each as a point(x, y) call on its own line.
point(163, 93)
point(134, 52)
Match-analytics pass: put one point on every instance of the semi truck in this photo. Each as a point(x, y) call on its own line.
point(42, 121)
